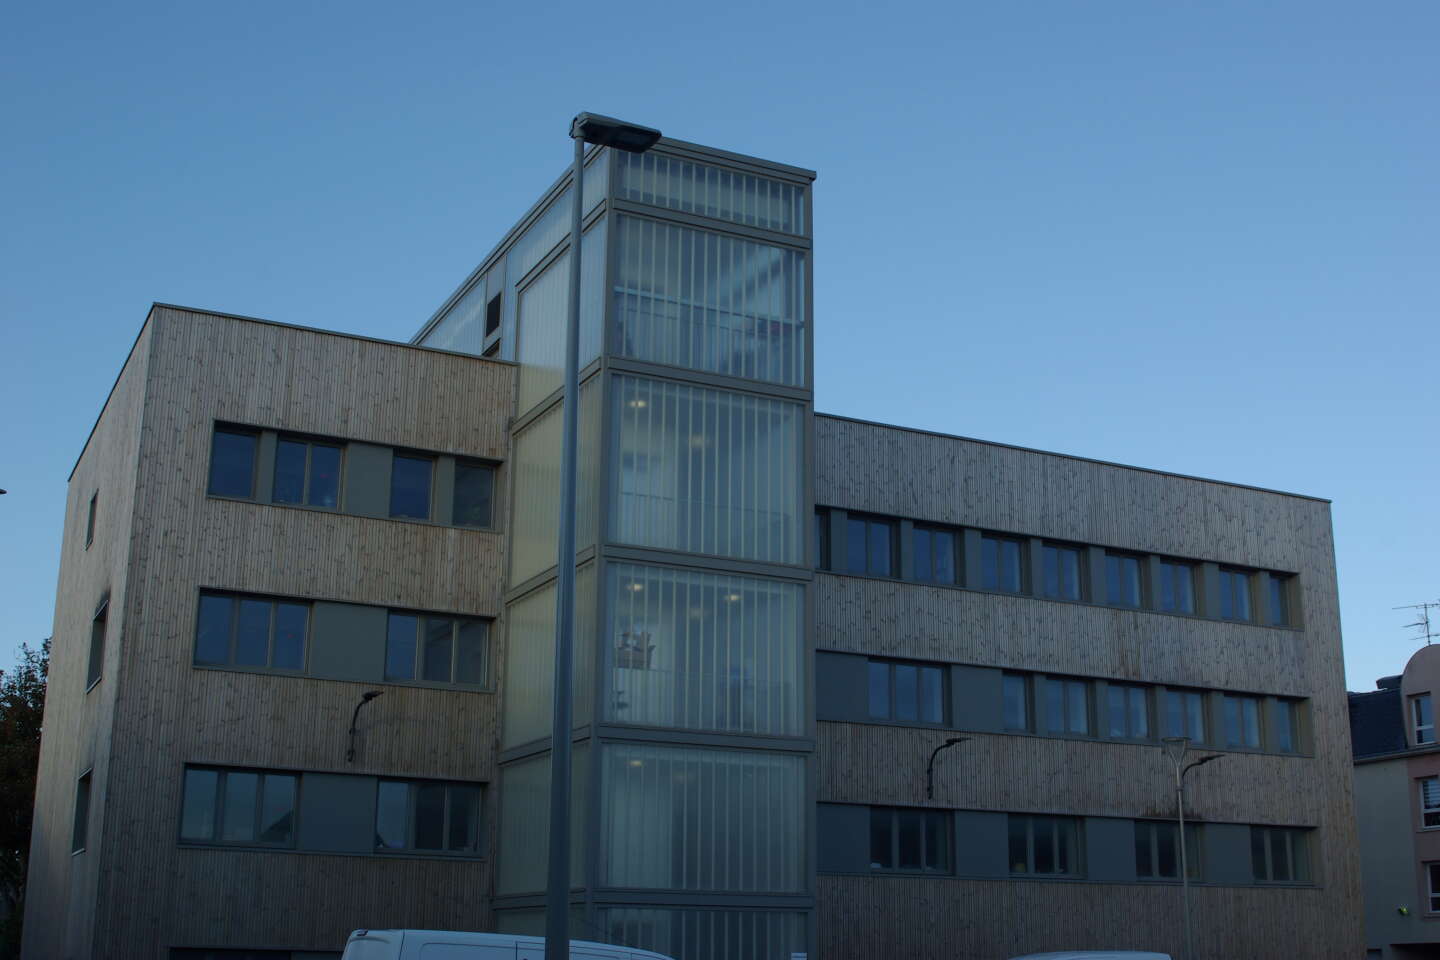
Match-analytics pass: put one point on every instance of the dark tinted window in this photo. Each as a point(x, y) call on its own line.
point(1185, 714)
point(1000, 564)
point(1242, 722)
point(97, 647)
point(1279, 601)
point(474, 492)
point(492, 315)
point(1234, 594)
point(244, 807)
point(232, 464)
point(1128, 712)
point(1062, 572)
point(251, 632)
point(935, 555)
point(410, 487)
point(907, 692)
point(909, 840)
point(428, 817)
point(307, 473)
point(870, 546)
point(80, 830)
point(400, 645)
point(1176, 590)
point(1122, 580)
point(1017, 701)
point(437, 649)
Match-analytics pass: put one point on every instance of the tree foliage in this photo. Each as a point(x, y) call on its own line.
point(22, 706)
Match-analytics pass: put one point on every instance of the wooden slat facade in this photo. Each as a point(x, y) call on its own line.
point(872, 468)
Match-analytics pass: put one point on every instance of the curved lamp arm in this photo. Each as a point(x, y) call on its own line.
point(930, 767)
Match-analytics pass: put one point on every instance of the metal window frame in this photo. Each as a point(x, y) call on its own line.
point(232, 639)
point(422, 620)
point(890, 663)
point(1193, 851)
point(1425, 809)
point(218, 808)
point(494, 471)
point(310, 443)
point(405, 453)
point(929, 818)
point(1172, 567)
point(412, 820)
point(1077, 863)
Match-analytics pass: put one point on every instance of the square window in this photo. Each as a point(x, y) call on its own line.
point(1128, 711)
point(1000, 565)
point(1185, 714)
point(1157, 850)
point(1242, 722)
point(870, 547)
point(1176, 589)
point(1044, 845)
point(1280, 854)
point(1122, 580)
point(935, 555)
point(1067, 706)
point(410, 482)
point(910, 840)
point(306, 473)
point(907, 692)
point(1062, 566)
point(1429, 802)
point(232, 463)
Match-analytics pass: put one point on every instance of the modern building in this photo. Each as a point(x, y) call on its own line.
point(1397, 799)
point(781, 615)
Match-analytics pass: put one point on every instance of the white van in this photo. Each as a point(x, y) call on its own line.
point(1093, 955)
point(453, 945)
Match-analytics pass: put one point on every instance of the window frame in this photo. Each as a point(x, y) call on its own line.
point(1296, 841)
point(1428, 809)
point(1128, 690)
point(1230, 577)
point(1289, 708)
point(422, 619)
point(1067, 685)
point(412, 821)
point(404, 453)
point(232, 641)
point(237, 431)
point(1055, 549)
point(1023, 568)
point(99, 634)
point(462, 463)
point(310, 443)
point(870, 523)
point(920, 666)
point(218, 808)
point(1194, 860)
point(933, 532)
point(1077, 865)
point(1027, 701)
point(1239, 702)
point(1416, 727)
point(90, 518)
point(1206, 721)
point(80, 815)
point(1122, 558)
point(1432, 885)
point(1172, 569)
point(1278, 595)
point(930, 817)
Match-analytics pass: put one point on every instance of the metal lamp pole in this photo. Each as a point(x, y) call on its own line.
point(930, 767)
point(1175, 748)
point(603, 131)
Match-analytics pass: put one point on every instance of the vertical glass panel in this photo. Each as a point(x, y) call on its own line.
point(705, 651)
point(1122, 581)
point(239, 816)
point(525, 812)
point(470, 657)
point(907, 825)
point(212, 631)
point(1115, 696)
point(937, 841)
point(277, 809)
point(989, 563)
point(289, 472)
point(324, 490)
point(907, 680)
point(1258, 861)
point(429, 816)
point(710, 191)
point(439, 648)
point(464, 826)
point(944, 565)
point(392, 816)
point(1139, 713)
point(856, 553)
point(1280, 856)
point(462, 327)
point(1174, 714)
point(923, 553)
point(1279, 614)
point(879, 690)
point(529, 661)
point(536, 536)
point(1285, 726)
point(1019, 829)
point(1232, 722)
point(252, 633)
point(1067, 855)
point(544, 319)
point(882, 854)
point(882, 548)
point(1167, 849)
point(702, 819)
point(695, 934)
point(1043, 829)
point(1017, 708)
point(1078, 706)
point(932, 695)
point(1299, 855)
point(400, 645)
point(706, 301)
point(197, 820)
point(1055, 705)
point(1250, 720)
point(474, 491)
point(232, 464)
point(1183, 578)
point(410, 487)
point(708, 471)
point(291, 620)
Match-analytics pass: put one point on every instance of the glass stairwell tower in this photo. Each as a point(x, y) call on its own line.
point(694, 728)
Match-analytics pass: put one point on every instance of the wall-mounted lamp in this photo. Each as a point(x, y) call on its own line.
point(369, 695)
point(930, 767)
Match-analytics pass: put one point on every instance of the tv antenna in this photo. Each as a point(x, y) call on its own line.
point(1423, 623)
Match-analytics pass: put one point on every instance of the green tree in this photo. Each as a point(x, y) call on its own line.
point(22, 705)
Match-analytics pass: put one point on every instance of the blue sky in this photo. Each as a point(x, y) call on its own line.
point(1196, 237)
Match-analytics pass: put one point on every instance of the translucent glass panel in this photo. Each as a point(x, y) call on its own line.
point(708, 191)
point(525, 822)
point(705, 301)
point(536, 522)
point(553, 225)
point(463, 327)
point(530, 660)
point(707, 471)
point(703, 651)
point(544, 308)
point(707, 934)
point(681, 818)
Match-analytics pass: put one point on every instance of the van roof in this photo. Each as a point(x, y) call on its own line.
point(470, 937)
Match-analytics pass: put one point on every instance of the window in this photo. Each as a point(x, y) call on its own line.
point(822, 539)
point(907, 692)
point(870, 546)
point(1280, 855)
point(1175, 592)
point(1279, 600)
point(243, 807)
point(1242, 721)
point(1044, 845)
point(1128, 708)
point(1429, 801)
point(90, 519)
point(427, 817)
point(436, 649)
point(1062, 571)
point(232, 463)
point(1122, 580)
point(1157, 850)
point(1432, 880)
point(1067, 706)
point(910, 840)
point(492, 315)
point(1000, 567)
point(80, 830)
point(1017, 702)
point(1234, 594)
point(410, 487)
point(473, 503)
point(935, 554)
point(1287, 726)
point(245, 631)
point(1422, 718)
point(97, 645)
point(1185, 714)
point(307, 473)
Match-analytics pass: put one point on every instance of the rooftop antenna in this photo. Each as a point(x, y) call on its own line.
point(1422, 624)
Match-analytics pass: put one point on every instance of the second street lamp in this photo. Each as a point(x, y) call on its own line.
point(1175, 748)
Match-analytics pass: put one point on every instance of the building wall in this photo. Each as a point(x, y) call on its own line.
point(1387, 854)
point(155, 893)
point(59, 908)
point(871, 468)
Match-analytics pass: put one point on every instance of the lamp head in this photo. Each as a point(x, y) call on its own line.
point(609, 132)
point(1175, 748)
point(370, 695)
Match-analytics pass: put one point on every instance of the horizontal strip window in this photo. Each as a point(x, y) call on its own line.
point(436, 649)
point(1280, 854)
point(242, 807)
point(1157, 851)
point(910, 840)
point(428, 817)
point(352, 477)
point(1045, 846)
point(900, 549)
point(247, 631)
point(908, 692)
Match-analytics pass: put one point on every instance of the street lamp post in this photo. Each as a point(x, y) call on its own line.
point(605, 132)
point(1175, 748)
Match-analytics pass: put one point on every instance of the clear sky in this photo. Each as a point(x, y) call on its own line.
point(1200, 237)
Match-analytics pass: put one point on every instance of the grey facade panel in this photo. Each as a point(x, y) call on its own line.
point(1226, 856)
point(840, 687)
point(976, 698)
point(981, 844)
point(337, 813)
point(842, 833)
point(443, 509)
point(1110, 849)
point(367, 479)
point(347, 641)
